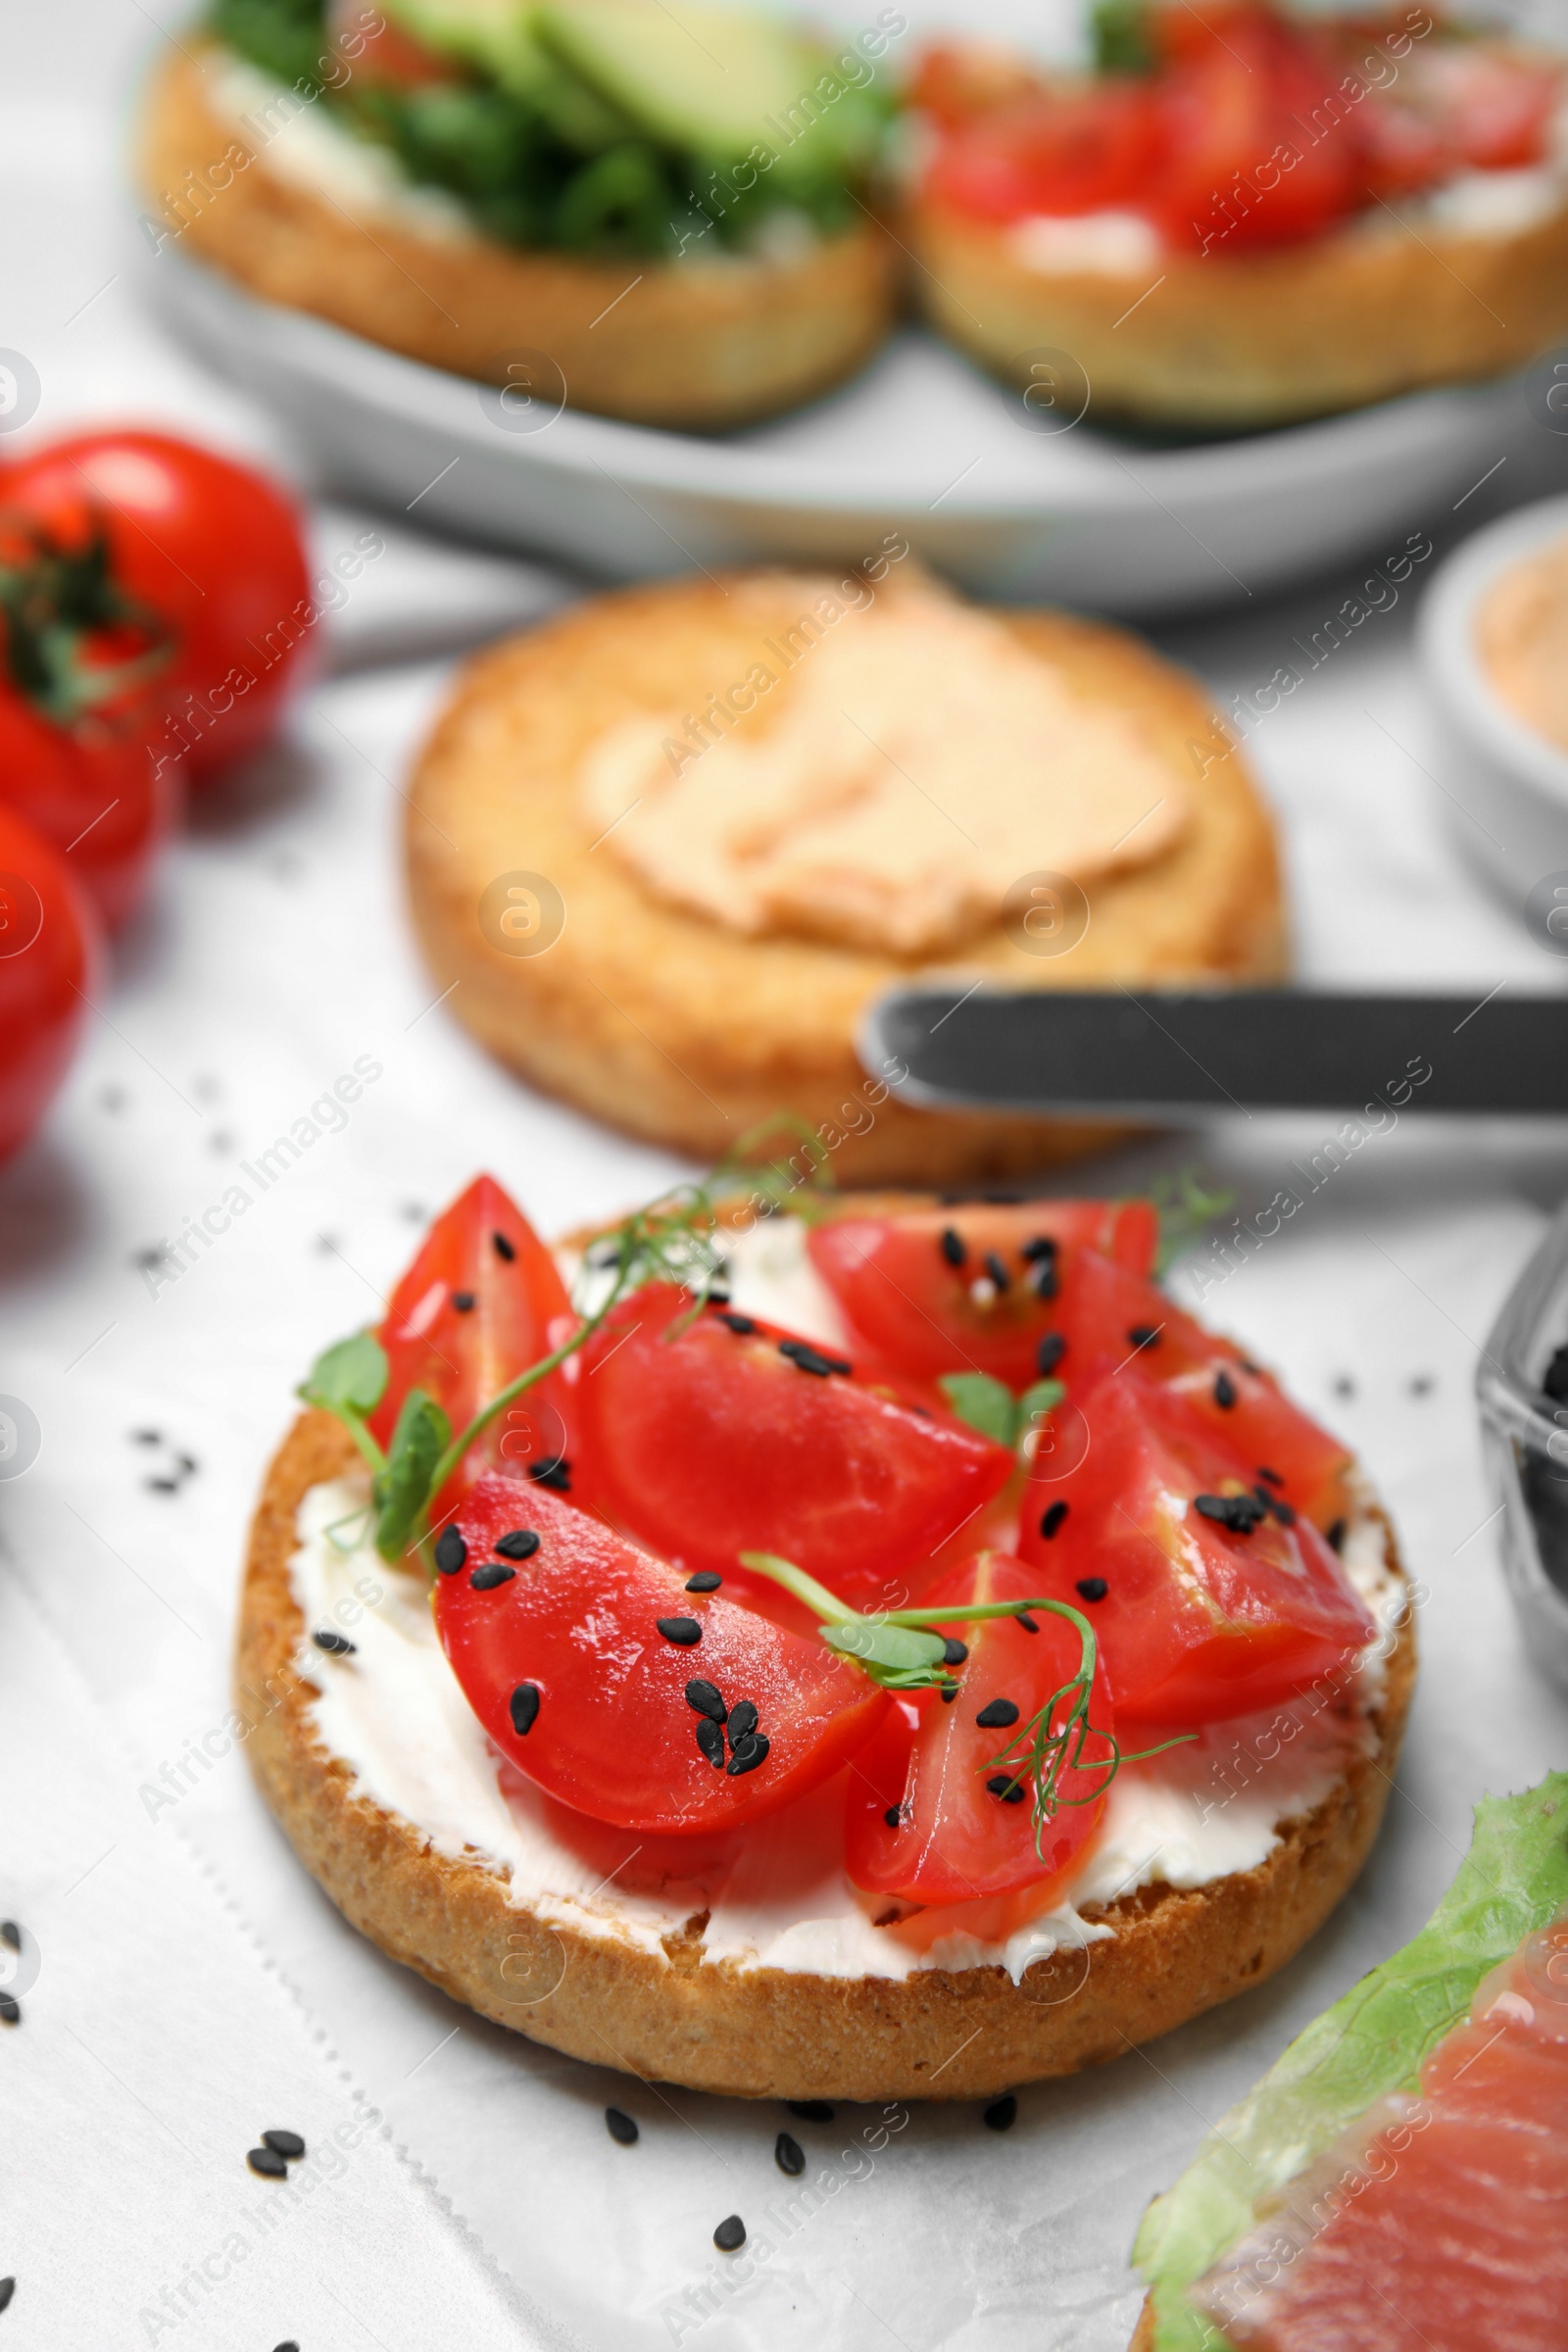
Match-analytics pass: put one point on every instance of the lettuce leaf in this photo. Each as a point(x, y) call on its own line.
point(1514, 1878)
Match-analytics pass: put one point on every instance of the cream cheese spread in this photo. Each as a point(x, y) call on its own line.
point(776, 1895)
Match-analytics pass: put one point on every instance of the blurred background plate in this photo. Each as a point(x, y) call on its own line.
point(920, 443)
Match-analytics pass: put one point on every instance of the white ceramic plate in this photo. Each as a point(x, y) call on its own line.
point(920, 443)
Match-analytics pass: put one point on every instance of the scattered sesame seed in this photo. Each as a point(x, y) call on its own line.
point(1044, 1245)
point(707, 1579)
point(949, 1692)
point(1002, 1784)
point(789, 2155)
point(502, 1247)
point(493, 1573)
point(730, 2235)
point(10, 2009)
point(811, 1359)
point(1031, 1624)
point(746, 1754)
point(707, 1699)
point(267, 2163)
point(811, 2111)
point(1270, 1476)
point(1422, 1384)
point(1275, 1506)
point(952, 1245)
point(7, 2287)
point(520, 1544)
point(287, 2144)
point(1336, 1535)
point(1001, 2114)
point(622, 2127)
point(1051, 1519)
point(711, 1739)
point(335, 1644)
point(683, 1631)
point(524, 1709)
point(290, 2346)
point(742, 1720)
point(553, 1471)
point(996, 1714)
point(1224, 1391)
point(998, 1271)
point(11, 1933)
point(1144, 1335)
point(450, 1552)
point(953, 1652)
point(893, 1816)
point(146, 1437)
point(1240, 1513)
point(982, 1290)
point(1044, 1280)
point(743, 1326)
point(1091, 1588)
point(1050, 1352)
point(463, 1301)
point(1343, 1385)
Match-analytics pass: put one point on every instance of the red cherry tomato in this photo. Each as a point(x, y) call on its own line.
point(1083, 153)
point(718, 1434)
point(1494, 110)
point(388, 57)
point(966, 1290)
point(90, 789)
point(566, 1666)
point(961, 1832)
point(49, 959)
point(1198, 1620)
point(1111, 1319)
point(212, 546)
point(482, 1300)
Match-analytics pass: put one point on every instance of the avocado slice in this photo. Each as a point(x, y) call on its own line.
point(498, 37)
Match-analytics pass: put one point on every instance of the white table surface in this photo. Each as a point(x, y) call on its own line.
point(191, 1985)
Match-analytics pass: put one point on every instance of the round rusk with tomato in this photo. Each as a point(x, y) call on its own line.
point(735, 1650)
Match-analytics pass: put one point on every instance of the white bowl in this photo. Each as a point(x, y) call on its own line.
point(1510, 782)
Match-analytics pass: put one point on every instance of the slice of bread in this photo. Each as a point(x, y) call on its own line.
point(1268, 337)
point(767, 2032)
point(683, 1031)
point(707, 345)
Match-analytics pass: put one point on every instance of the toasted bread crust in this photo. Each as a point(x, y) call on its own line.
point(706, 346)
point(765, 2032)
point(666, 1024)
point(1263, 337)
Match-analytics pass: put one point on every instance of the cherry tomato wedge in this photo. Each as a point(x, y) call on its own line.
point(710, 1435)
point(601, 1676)
point(1110, 1319)
point(971, 1289)
point(1200, 1619)
point(482, 1300)
point(49, 957)
point(964, 1826)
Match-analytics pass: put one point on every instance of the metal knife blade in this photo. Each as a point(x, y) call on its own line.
point(1155, 1054)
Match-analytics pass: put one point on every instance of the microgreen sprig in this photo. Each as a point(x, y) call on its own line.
point(895, 1648)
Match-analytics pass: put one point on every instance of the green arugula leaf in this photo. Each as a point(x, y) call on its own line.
point(988, 1406)
point(349, 1377)
point(1122, 38)
point(404, 1487)
point(1514, 1878)
point(1039, 1399)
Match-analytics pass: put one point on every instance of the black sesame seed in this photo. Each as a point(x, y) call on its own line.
point(996, 1714)
point(1002, 1784)
point(811, 1359)
point(1001, 2114)
point(493, 1573)
point(811, 2111)
point(893, 1816)
point(524, 1709)
point(1050, 1352)
point(1275, 1506)
point(746, 1754)
point(706, 1699)
point(1051, 1519)
point(1044, 1245)
point(998, 1271)
point(553, 1471)
point(950, 1692)
point(463, 1301)
point(1240, 1513)
point(7, 2287)
point(287, 2347)
point(621, 2126)
point(707, 1579)
point(953, 1652)
point(1224, 1391)
point(743, 1326)
point(502, 1247)
point(10, 2009)
point(1270, 1476)
point(521, 1544)
point(1031, 1624)
point(335, 1644)
point(1336, 1535)
point(1044, 1279)
point(1144, 1335)
point(11, 1933)
point(952, 1246)
point(1091, 1588)
point(742, 1721)
point(287, 2144)
point(267, 2163)
point(711, 1739)
point(730, 2235)
point(683, 1631)
point(789, 2155)
point(450, 1552)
